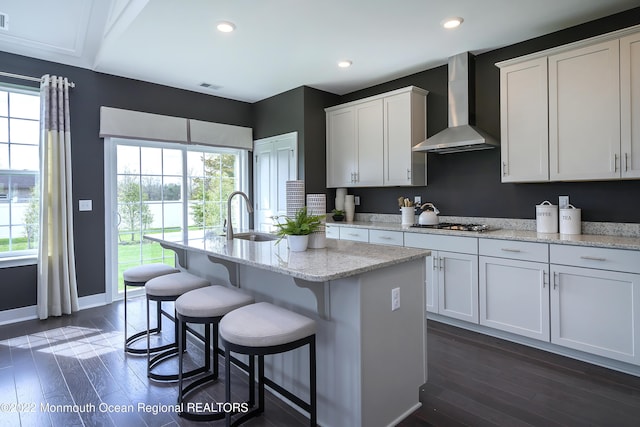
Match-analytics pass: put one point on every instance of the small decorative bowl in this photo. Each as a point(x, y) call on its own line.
point(338, 218)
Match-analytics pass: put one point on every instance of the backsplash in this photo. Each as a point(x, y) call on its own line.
point(595, 228)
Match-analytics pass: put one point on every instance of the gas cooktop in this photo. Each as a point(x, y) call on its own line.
point(455, 226)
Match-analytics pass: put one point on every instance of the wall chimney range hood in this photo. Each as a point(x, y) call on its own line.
point(461, 135)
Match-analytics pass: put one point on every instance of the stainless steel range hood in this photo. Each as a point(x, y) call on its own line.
point(461, 135)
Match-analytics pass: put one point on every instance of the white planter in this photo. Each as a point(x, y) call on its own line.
point(298, 243)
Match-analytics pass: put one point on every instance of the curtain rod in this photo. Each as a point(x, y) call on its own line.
point(32, 79)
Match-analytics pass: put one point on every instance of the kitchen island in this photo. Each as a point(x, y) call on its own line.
point(371, 360)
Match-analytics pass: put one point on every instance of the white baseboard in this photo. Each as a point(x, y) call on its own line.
point(18, 315)
point(30, 313)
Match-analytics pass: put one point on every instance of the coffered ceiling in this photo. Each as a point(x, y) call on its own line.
point(278, 44)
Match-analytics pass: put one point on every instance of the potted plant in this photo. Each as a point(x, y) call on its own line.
point(298, 228)
point(338, 215)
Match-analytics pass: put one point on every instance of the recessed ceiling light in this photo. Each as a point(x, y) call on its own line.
point(450, 23)
point(345, 63)
point(225, 27)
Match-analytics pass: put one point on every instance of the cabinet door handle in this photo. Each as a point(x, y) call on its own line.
point(510, 250)
point(544, 279)
point(441, 263)
point(504, 168)
point(555, 280)
point(593, 258)
point(626, 162)
point(408, 174)
point(435, 264)
point(615, 162)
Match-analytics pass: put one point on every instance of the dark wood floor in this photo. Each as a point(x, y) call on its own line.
point(474, 380)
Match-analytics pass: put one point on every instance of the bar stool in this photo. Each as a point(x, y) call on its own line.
point(204, 306)
point(137, 277)
point(168, 288)
point(261, 329)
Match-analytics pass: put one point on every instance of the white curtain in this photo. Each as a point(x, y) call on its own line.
point(57, 289)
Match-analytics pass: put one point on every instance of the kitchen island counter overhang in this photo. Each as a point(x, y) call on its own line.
point(371, 360)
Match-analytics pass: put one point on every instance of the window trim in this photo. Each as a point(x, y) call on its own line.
point(24, 257)
point(111, 194)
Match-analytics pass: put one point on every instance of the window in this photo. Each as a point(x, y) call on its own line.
point(169, 188)
point(19, 165)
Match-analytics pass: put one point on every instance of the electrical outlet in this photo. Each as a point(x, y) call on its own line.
point(395, 299)
point(417, 200)
point(356, 200)
point(563, 202)
point(85, 205)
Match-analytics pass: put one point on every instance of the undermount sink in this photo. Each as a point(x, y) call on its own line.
point(256, 237)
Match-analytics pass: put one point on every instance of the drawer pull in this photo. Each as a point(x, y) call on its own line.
point(385, 237)
point(593, 258)
point(353, 234)
point(510, 250)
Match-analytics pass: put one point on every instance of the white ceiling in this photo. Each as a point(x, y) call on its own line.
point(278, 45)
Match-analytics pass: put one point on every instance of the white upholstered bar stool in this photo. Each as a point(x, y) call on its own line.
point(168, 288)
point(205, 306)
point(137, 277)
point(261, 329)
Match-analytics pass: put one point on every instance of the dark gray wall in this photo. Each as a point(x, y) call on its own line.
point(18, 284)
point(468, 184)
point(299, 110)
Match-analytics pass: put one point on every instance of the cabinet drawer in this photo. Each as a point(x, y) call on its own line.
point(332, 231)
point(439, 242)
point(383, 237)
point(599, 258)
point(352, 233)
point(525, 251)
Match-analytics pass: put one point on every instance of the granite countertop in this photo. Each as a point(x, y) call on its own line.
point(502, 232)
point(339, 259)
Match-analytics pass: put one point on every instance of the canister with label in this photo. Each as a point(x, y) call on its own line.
point(570, 220)
point(546, 217)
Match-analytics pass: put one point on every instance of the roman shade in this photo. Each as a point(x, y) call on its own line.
point(220, 135)
point(116, 122)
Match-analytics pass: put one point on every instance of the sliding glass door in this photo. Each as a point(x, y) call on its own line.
point(165, 188)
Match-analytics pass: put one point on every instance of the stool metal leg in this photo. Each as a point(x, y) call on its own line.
point(312, 383)
point(129, 340)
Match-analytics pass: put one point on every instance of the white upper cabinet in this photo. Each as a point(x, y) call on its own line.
point(405, 125)
point(589, 91)
point(584, 113)
point(369, 141)
point(630, 105)
point(354, 145)
point(368, 145)
point(341, 156)
point(524, 143)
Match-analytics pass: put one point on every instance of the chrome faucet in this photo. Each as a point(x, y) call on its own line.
point(249, 209)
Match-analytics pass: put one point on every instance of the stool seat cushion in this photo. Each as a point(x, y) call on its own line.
point(174, 284)
point(146, 272)
point(263, 325)
point(211, 301)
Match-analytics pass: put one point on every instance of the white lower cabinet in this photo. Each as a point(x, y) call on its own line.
point(354, 233)
point(579, 297)
point(514, 296)
point(452, 277)
point(514, 287)
point(458, 285)
point(596, 311)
